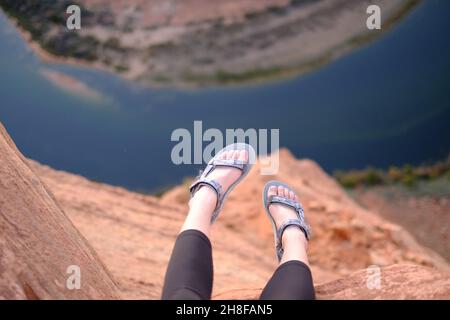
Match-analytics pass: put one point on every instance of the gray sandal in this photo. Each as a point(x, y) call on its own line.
point(203, 180)
point(299, 222)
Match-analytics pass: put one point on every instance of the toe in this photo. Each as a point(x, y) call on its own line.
point(243, 156)
point(286, 193)
point(291, 195)
point(272, 191)
point(229, 154)
point(236, 154)
point(281, 191)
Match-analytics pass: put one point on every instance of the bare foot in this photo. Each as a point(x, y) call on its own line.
point(281, 213)
point(223, 175)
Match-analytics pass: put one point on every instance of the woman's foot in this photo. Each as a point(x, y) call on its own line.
point(203, 204)
point(225, 176)
point(294, 241)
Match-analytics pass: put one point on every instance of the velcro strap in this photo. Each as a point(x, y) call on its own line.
point(206, 182)
point(287, 202)
point(291, 222)
point(235, 163)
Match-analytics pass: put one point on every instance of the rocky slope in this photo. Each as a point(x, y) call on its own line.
point(399, 281)
point(346, 236)
point(427, 217)
point(38, 242)
point(133, 235)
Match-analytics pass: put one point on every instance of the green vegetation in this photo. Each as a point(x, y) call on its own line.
point(72, 45)
point(225, 77)
point(161, 48)
point(407, 175)
point(185, 184)
point(256, 75)
point(161, 78)
point(37, 17)
point(121, 68)
point(368, 37)
point(299, 2)
point(231, 77)
point(113, 43)
point(45, 20)
point(275, 9)
point(41, 17)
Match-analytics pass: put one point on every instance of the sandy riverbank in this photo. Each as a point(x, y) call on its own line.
point(48, 57)
point(74, 86)
point(265, 46)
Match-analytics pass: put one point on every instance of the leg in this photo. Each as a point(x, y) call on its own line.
point(189, 274)
point(190, 271)
point(292, 280)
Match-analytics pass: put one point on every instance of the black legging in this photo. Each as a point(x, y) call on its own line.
point(190, 273)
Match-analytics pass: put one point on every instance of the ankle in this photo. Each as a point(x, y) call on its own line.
point(293, 235)
point(205, 198)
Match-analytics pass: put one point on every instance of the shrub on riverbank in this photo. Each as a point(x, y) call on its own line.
point(40, 17)
point(406, 175)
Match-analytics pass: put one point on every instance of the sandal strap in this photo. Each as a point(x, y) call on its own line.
point(289, 203)
point(203, 181)
point(299, 222)
point(290, 222)
point(235, 163)
point(293, 222)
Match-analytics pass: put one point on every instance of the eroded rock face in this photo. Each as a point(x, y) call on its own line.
point(178, 13)
point(398, 281)
point(345, 238)
point(133, 235)
point(38, 242)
